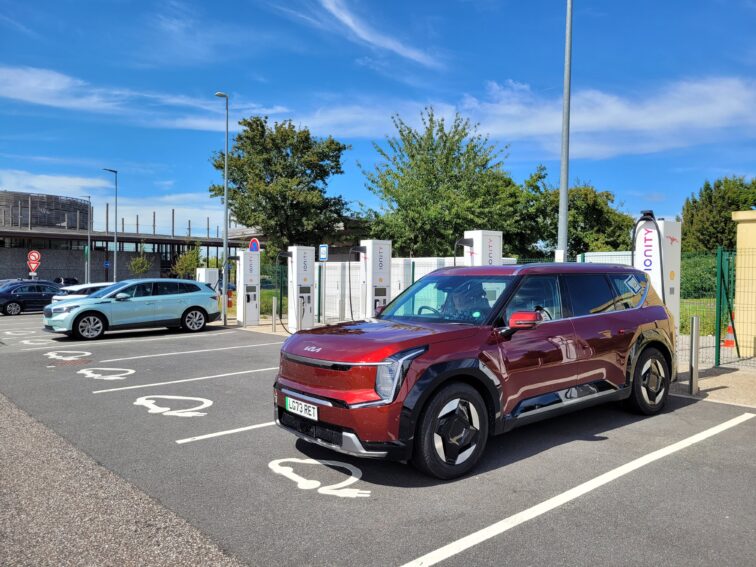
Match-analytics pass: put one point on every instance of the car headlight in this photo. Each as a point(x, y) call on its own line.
point(64, 309)
point(390, 375)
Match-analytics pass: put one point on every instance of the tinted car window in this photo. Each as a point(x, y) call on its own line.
point(138, 290)
point(24, 289)
point(629, 288)
point(589, 294)
point(49, 289)
point(166, 288)
point(537, 292)
point(188, 288)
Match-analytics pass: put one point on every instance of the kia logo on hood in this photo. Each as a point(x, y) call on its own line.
point(312, 349)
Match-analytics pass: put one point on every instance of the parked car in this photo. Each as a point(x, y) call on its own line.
point(78, 291)
point(134, 304)
point(60, 280)
point(26, 295)
point(466, 353)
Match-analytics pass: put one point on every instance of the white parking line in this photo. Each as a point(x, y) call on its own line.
point(113, 341)
point(735, 404)
point(189, 352)
point(227, 432)
point(512, 521)
point(185, 380)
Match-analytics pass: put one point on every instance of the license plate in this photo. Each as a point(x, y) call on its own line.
point(300, 408)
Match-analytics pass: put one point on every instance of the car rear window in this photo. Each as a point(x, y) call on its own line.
point(590, 294)
point(188, 288)
point(630, 289)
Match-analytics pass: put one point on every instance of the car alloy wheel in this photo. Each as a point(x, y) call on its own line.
point(194, 320)
point(457, 431)
point(653, 382)
point(90, 327)
point(13, 309)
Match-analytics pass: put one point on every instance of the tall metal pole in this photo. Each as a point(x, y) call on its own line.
point(561, 251)
point(89, 240)
point(115, 227)
point(225, 218)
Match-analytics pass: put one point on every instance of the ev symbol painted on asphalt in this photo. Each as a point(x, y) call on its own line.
point(67, 355)
point(37, 342)
point(106, 373)
point(339, 489)
point(151, 405)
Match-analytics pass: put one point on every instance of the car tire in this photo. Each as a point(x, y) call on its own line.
point(12, 308)
point(194, 320)
point(88, 327)
point(651, 380)
point(456, 411)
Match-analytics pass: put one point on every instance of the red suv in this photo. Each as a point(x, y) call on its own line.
point(466, 353)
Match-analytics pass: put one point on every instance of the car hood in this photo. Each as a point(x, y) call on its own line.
point(372, 340)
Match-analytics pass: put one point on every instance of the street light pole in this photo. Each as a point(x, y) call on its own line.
point(225, 217)
point(561, 251)
point(89, 240)
point(115, 228)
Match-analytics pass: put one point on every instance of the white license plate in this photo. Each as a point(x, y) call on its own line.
point(300, 408)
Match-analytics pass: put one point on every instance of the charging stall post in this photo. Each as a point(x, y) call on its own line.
point(301, 287)
point(656, 251)
point(248, 286)
point(208, 276)
point(375, 275)
point(482, 247)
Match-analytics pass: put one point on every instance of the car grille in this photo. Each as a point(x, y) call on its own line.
point(328, 433)
point(47, 311)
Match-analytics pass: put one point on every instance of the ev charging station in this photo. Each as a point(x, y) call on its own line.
point(248, 287)
point(482, 247)
point(656, 251)
point(301, 287)
point(375, 275)
point(208, 276)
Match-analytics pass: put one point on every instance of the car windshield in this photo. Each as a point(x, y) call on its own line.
point(457, 298)
point(106, 290)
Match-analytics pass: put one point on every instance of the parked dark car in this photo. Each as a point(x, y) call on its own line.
point(466, 353)
point(26, 295)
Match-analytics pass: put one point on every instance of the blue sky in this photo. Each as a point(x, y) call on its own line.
point(664, 93)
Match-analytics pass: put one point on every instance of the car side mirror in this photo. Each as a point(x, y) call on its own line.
point(121, 296)
point(524, 320)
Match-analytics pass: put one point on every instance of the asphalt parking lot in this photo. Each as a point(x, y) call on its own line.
point(188, 420)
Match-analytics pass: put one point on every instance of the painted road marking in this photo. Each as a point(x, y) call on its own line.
point(111, 340)
point(221, 433)
point(20, 333)
point(189, 352)
point(67, 354)
point(37, 342)
point(186, 380)
point(735, 404)
point(338, 489)
point(151, 405)
point(106, 373)
point(506, 524)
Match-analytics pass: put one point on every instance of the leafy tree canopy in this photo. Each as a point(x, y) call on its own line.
point(141, 263)
point(185, 265)
point(277, 177)
point(707, 217)
point(437, 181)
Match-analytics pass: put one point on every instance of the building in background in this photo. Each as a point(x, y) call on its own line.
point(57, 227)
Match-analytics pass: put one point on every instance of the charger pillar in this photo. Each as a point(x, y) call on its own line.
point(375, 275)
point(658, 254)
point(248, 288)
point(208, 276)
point(301, 287)
point(485, 249)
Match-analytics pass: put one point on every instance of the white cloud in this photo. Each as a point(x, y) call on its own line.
point(365, 33)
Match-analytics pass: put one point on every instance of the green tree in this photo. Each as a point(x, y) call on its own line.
point(278, 177)
point(141, 263)
point(707, 217)
point(442, 179)
point(185, 265)
point(594, 224)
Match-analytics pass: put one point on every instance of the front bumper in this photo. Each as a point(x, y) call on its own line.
point(213, 317)
point(340, 429)
point(57, 324)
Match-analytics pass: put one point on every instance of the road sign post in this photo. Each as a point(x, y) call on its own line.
point(33, 261)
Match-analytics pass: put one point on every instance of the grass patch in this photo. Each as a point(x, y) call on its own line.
point(266, 302)
point(705, 308)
